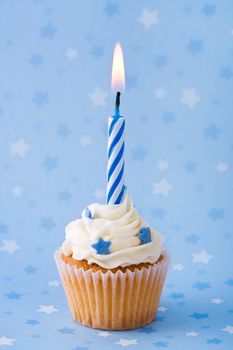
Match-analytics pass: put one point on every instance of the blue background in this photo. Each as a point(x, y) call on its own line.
point(55, 97)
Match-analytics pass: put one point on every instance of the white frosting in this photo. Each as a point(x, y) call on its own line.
point(119, 224)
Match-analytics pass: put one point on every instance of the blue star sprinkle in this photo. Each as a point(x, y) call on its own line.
point(30, 269)
point(199, 316)
point(47, 223)
point(101, 246)
point(214, 341)
point(88, 213)
point(202, 285)
point(145, 235)
point(3, 228)
point(216, 213)
point(229, 282)
point(161, 344)
point(66, 330)
point(177, 296)
point(32, 322)
point(14, 296)
point(147, 330)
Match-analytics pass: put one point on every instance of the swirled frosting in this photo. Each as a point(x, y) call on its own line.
point(119, 224)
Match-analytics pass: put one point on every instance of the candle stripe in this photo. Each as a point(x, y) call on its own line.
point(116, 161)
point(115, 184)
point(119, 198)
point(113, 123)
point(116, 139)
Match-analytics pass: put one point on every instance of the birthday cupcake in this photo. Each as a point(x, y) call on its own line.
point(111, 264)
point(112, 267)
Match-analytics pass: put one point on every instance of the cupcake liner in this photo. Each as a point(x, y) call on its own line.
point(113, 301)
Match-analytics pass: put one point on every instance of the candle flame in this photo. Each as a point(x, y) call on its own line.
point(118, 69)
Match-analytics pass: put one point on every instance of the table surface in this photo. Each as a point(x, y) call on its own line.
point(55, 67)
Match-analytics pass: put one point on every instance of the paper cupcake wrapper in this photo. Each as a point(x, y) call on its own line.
point(116, 301)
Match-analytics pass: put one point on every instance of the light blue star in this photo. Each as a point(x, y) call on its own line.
point(66, 330)
point(168, 117)
point(139, 153)
point(216, 213)
point(160, 61)
point(80, 348)
point(190, 167)
point(192, 238)
point(48, 31)
point(111, 8)
point(32, 322)
point(41, 98)
point(30, 269)
point(64, 196)
point(212, 132)
point(202, 285)
point(50, 163)
point(209, 9)
point(63, 130)
point(36, 60)
point(229, 282)
point(3, 228)
point(226, 72)
point(47, 223)
point(161, 344)
point(199, 316)
point(195, 46)
point(13, 296)
point(177, 296)
point(101, 246)
point(97, 51)
point(214, 341)
point(158, 212)
point(144, 235)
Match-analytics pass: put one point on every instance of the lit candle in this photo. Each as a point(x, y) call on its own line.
point(116, 129)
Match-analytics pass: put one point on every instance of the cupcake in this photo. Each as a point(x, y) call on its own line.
point(112, 267)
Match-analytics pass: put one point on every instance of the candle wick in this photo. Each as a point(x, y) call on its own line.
point(117, 104)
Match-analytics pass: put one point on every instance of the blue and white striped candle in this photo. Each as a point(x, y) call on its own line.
point(116, 162)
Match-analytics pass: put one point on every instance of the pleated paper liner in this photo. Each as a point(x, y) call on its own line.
point(113, 301)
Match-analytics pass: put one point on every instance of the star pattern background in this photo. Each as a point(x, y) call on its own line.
point(55, 99)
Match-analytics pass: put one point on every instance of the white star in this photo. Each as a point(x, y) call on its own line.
point(160, 93)
point(222, 167)
point(126, 342)
point(228, 329)
point(98, 97)
point(190, 97)
point(54, 283)
point(17, 191)
point(162, 187)
point(99, 194)
point(202, 257)
point(216, 301)
point(6, 341)
point(178, 267)
point(47, 309)
point(71, 54)
point(148, 18)
point(104, 334)
point(162, 308)
point(19, 148)
point(191, 334)
point(162, 165)
point(85, 141)
point(9, 246)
